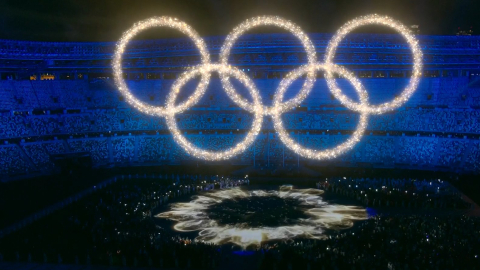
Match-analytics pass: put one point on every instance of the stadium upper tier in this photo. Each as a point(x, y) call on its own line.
point(272, 51)
point(28, 95)
point(60, 98)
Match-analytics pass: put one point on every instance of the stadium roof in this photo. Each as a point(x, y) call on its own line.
point(93, 20)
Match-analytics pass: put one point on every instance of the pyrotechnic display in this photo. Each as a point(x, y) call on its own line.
point(257, 108)
point(250, 217)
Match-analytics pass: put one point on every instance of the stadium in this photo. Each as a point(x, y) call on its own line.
point(71, 103)
point(105, 175)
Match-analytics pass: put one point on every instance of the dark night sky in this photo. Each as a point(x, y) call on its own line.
point(105, 20)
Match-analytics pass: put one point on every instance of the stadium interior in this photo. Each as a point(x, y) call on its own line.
point(90, 182)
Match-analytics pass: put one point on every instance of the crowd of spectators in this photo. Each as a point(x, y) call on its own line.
point(98, 148)
point(115, 226)
point(420, 151)
point(39, 155)
point(406, 193)
point(77, 109)
point(155, 148)
point(123, 149)
point(451, 152)
point(12, 127)
point(12, 161)
point(425, 152)
point(473, 157)
point(122, 120)
point(100, 93)
point(379, 150)
point(45, 125)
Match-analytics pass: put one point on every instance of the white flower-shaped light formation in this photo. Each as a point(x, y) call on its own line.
point(279, 106)
point(193, 216)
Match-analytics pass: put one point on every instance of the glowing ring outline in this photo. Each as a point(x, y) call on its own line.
point(286, 25)
point(337, 150)
point(233, 151)
point(417, 63)
point(134, 30)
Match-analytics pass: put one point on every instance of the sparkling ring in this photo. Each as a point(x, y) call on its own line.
point(417, 64)
point(143, 25)
point(316, 154)
point(275, 21)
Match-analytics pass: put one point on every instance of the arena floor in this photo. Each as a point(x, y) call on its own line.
point(262, 214)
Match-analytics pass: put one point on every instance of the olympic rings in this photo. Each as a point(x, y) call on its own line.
point(256, 107)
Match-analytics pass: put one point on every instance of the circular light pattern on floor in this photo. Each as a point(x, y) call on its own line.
point(279, 106)
point(317, 216)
